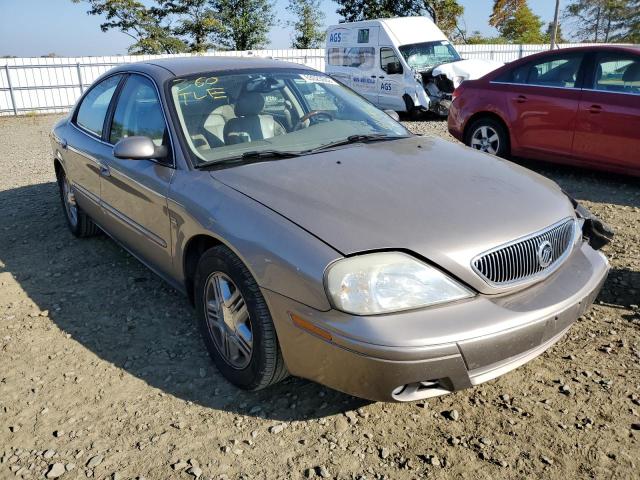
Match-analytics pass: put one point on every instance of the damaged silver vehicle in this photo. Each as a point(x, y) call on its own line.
point(402, 64)
point(315, 236)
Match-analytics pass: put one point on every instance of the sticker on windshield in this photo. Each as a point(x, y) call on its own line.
point(444, 42)
point(318, 79)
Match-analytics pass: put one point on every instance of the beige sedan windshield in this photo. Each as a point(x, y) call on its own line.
point(226, 115)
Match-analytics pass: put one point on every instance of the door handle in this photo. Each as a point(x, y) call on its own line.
point(105, 171)
point(595, 108)
point(521, 99)
point(373, 76)
point(381, 76)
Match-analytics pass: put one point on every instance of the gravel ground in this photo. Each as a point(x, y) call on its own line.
point(103, 374)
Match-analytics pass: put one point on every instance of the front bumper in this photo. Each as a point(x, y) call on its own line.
point(433, 351)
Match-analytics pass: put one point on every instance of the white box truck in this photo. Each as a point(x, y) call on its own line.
point(403, 64)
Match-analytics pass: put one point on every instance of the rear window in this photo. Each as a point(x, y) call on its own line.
point(617, 73)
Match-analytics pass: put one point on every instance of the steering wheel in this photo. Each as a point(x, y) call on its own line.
point(310, 115)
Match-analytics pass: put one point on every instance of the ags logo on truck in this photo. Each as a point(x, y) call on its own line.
point(339, 35)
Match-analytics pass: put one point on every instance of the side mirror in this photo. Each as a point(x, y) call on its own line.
point(139, 148)
point(394, 68)
point(393, 114)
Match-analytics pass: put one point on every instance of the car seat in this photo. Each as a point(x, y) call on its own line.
point(213, 124)
point(250, 124)
point(631, 77)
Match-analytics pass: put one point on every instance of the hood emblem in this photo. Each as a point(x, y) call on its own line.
point(545, 254)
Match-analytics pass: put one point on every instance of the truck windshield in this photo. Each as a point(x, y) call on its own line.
point(423, 56)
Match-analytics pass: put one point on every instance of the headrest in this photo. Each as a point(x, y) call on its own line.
point(250, 103)
point(226, 111)
point(598, 73)
point(632, 73)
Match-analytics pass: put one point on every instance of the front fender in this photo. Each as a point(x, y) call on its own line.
point(280, 255)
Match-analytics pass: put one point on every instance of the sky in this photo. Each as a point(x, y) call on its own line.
point(31, 28)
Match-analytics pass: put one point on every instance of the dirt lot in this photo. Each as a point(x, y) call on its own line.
point(103, 374)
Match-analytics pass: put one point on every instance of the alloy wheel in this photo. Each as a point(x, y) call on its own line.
point(486, 139)
point(228, 320)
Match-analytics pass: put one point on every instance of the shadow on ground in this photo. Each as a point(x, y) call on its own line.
point(622, 290)
point(112, 305)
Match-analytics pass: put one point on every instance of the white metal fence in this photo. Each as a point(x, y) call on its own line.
point(48, 85)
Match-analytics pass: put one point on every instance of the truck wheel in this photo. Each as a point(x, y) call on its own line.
point(488, 135)
point(235, 322)
point(416, 114)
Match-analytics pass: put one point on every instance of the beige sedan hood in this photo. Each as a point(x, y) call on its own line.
point(444, 202)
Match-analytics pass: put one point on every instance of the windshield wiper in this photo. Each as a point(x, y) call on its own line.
point(362, 138)
point(249, 157)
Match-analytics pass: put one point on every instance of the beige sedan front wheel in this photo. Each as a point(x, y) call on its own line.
point(235, 322)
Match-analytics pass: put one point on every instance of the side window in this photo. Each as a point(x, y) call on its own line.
point(138, 112)
point(357, 57)
point(389, 61)
point(561, 71)
point(335, 55)
point(360, 57)
point(363, 35)
point(95, 104)
point(617, 73)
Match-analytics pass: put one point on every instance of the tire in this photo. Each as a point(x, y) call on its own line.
point(220, 270)
point(416, 114)
point(78, 222)
point(481, 132)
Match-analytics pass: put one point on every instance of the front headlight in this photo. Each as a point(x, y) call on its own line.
point(388, 282)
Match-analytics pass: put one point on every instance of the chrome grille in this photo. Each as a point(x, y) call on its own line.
point(518, 261)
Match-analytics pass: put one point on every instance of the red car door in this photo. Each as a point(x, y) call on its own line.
point(608, 124)
point(543, 100)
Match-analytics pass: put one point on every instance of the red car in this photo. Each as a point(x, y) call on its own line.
point(579, 106)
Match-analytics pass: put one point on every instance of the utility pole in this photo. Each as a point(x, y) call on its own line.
point(554, 32)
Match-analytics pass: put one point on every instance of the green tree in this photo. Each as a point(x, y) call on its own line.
point(194, 20)
point(516, 22)
point(602, 20)
point(445, 13)
point(630, 24)
point(503, 10)
point(308, 30)
point(549, 32)
point(476, 38)
point(522, 27)
point(134, 19)
point(356, 10)
point(244, 23)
